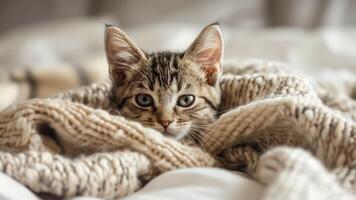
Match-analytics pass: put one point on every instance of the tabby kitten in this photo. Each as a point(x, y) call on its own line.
point(175, 93)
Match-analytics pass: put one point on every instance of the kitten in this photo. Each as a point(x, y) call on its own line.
point(175, 93)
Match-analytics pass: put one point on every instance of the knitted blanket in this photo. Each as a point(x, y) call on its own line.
point(295, 137)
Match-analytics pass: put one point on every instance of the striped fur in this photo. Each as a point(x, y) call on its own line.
point(165, 76)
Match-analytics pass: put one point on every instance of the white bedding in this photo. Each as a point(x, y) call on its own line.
point(200, 183)
point(12, 190)
point(187, 184)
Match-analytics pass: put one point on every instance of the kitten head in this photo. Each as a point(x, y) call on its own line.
point(174, 93)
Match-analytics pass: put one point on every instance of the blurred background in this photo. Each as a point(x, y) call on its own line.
point(236, 13)
point(43, 32)
point(53, 37)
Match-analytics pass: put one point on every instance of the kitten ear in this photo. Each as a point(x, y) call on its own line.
point(207, 52)
point(122, 54)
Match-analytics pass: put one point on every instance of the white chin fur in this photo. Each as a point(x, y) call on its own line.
point(173, 131)
point(178, 132)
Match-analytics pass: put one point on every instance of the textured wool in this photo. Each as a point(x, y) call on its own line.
point(296, 138)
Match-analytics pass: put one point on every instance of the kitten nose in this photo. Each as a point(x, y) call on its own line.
point(165, 123)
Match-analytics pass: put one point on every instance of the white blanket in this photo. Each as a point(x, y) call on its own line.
point(187, 184)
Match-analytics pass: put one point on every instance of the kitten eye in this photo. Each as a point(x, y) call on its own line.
point(186, 100)
point(144, 100)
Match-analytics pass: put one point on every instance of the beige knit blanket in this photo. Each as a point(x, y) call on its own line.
point(71, 145)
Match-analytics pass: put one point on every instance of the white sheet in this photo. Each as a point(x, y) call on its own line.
point(200, 183)
point(187, 184)
point(12, 190)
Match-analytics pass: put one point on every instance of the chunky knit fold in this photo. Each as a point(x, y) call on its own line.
point(295, 137)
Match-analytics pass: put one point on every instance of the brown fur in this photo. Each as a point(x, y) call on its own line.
point(167, 76)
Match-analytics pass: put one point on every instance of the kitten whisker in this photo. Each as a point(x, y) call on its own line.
point(165, 76)
point(201, 134)
point(192, 134)
point(199, 138)
point(197, 132)
point(193, 139)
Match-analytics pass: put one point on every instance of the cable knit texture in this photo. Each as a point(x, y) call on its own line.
point(295, 137)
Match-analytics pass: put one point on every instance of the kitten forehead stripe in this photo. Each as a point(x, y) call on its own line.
point(166, 76)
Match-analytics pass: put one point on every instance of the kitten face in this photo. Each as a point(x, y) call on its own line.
point(174, 93)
